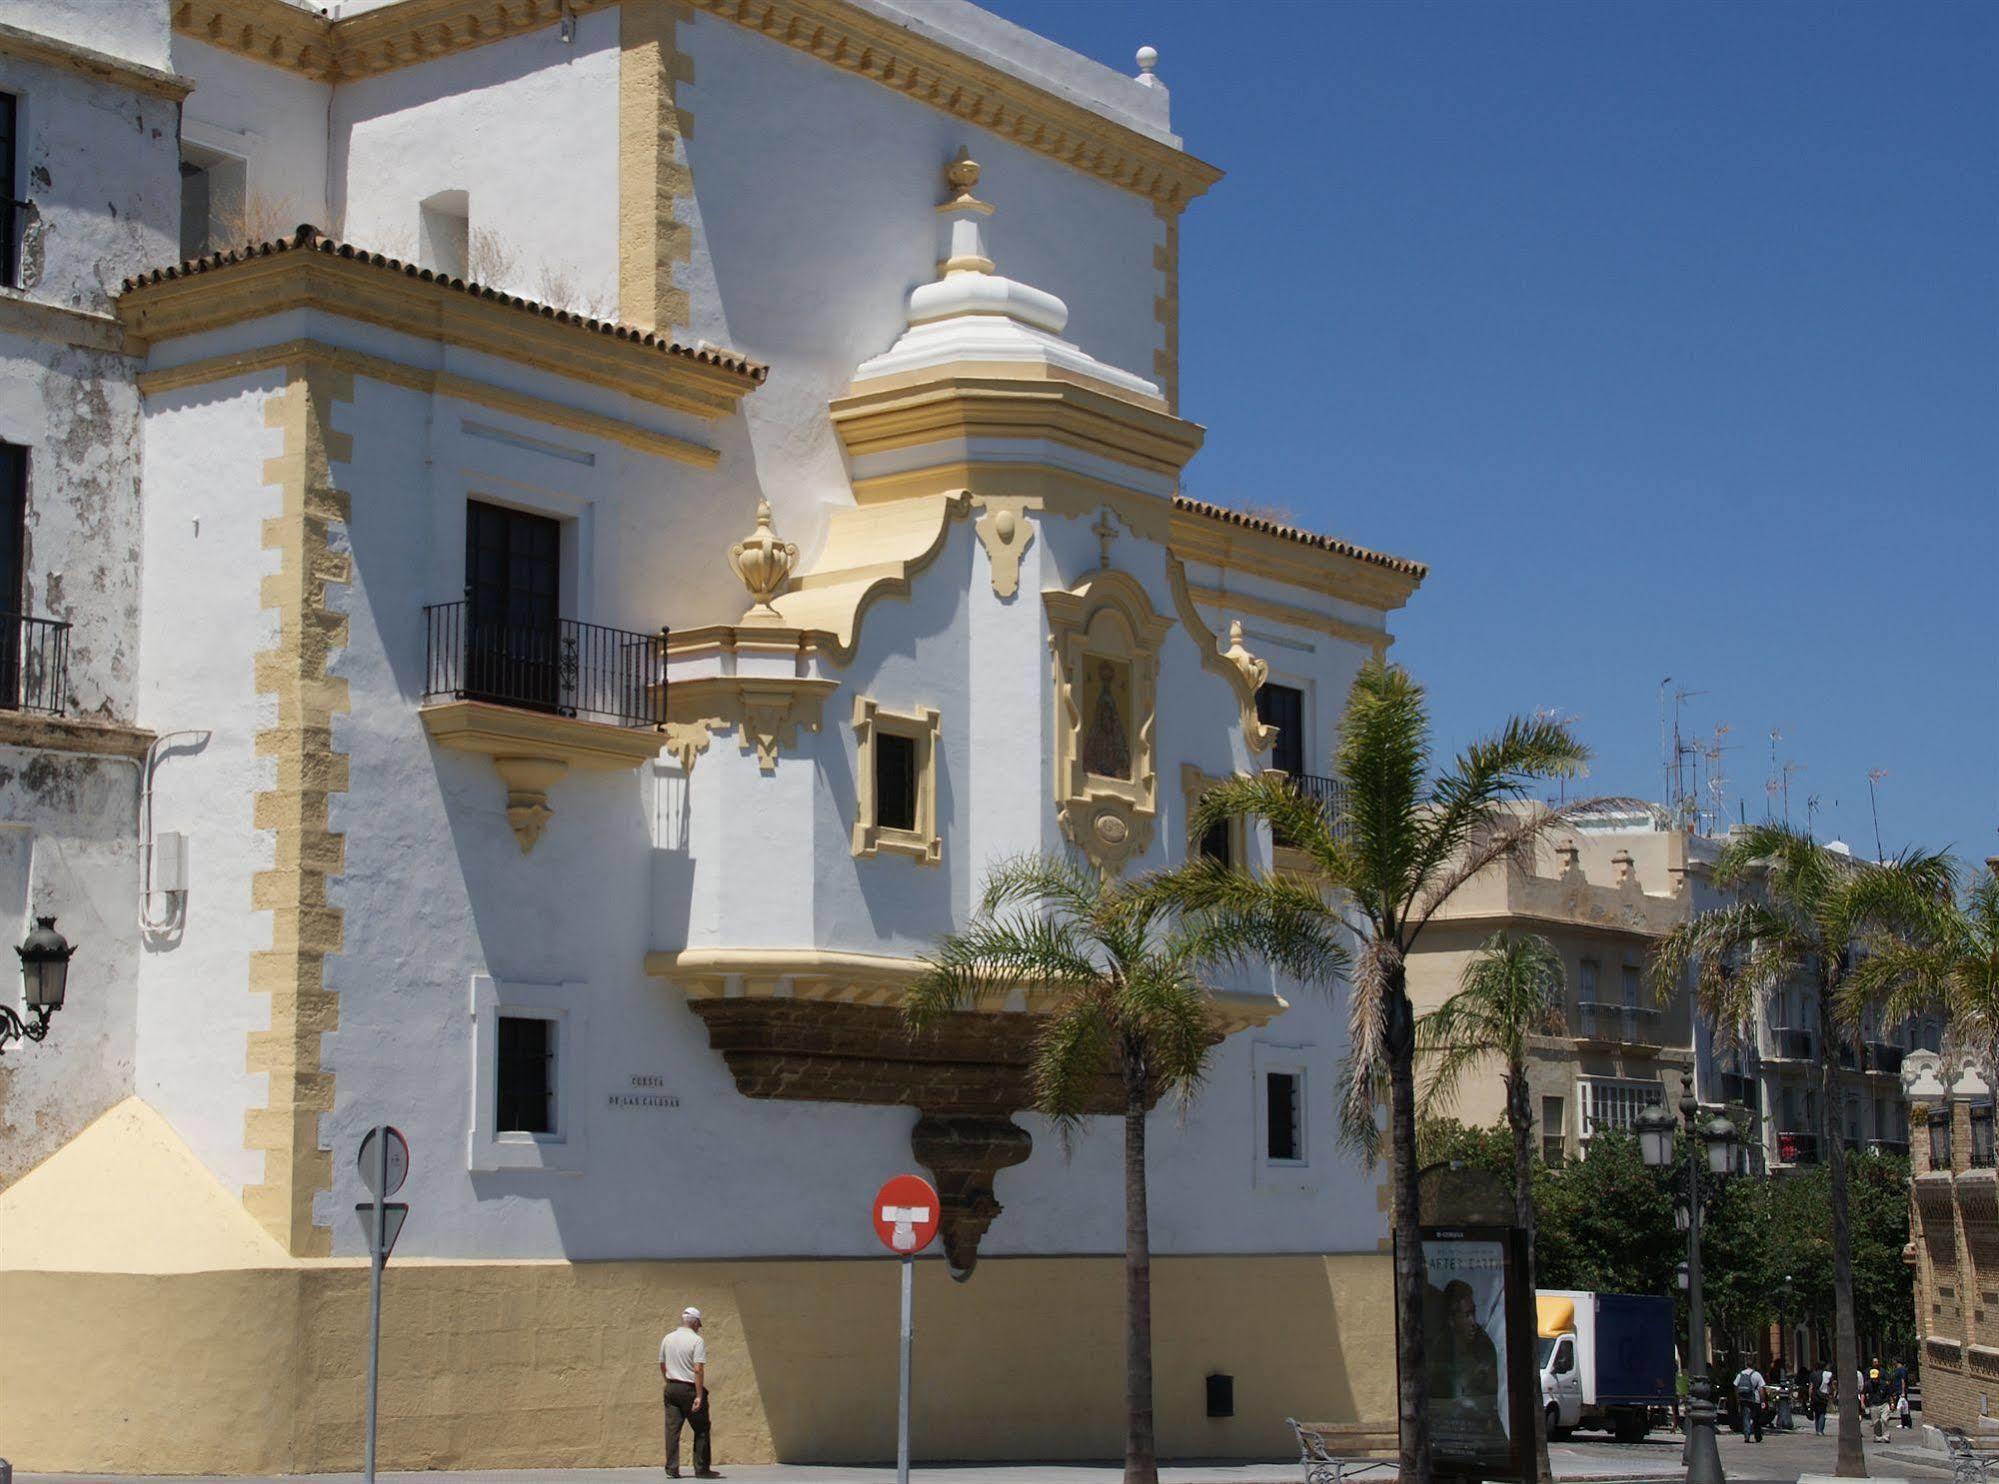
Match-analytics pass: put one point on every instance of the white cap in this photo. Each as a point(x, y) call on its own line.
point(687, 1314)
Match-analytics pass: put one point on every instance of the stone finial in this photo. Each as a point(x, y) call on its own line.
point(1254, 670)
point(1625, 867)
point(764, 564)
point(1148, 63)
point(1568, 856)
point(961, 175)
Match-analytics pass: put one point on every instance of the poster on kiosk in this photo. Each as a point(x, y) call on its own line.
point(1478, 1351)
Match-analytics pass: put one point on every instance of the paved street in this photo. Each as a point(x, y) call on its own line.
point(1781, 1456)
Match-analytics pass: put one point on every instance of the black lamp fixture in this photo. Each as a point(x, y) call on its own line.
point(45, 956)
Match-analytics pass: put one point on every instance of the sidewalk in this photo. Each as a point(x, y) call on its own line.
point(1572, 1463)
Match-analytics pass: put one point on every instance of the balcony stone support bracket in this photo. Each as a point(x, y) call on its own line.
point(759, 678)
point(532, 750)
point(826, 1025)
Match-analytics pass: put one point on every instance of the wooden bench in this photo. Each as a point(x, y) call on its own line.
point(1322, 1465)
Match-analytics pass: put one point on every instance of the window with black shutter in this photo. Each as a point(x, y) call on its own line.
point(1283, 707)
point(13, 568)
point(9, 184)
point(525, 1080)
point(1283, 1136)
point(513, 595)
point(895, 781)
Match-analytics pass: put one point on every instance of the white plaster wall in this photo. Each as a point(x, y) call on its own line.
point(66, 848)
point(202, 628)
point(526, 126)
point(273, 120)
point(135, 30)
point(813, 216)
point(87, 146)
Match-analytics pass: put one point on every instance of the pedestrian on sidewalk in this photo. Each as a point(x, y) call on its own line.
point(1898, 1384)
point(1876, 1397)
point(1749, 1386)
point(683, 1366)
point(1825, 1396)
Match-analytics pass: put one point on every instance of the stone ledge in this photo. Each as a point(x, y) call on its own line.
point(63, 734)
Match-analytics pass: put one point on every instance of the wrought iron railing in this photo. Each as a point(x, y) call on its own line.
point(564, 667)
point(1738, 1088)
point(1327, 793)
point(1627, 1025)
point(34, 664)
point(1883, 1056)
point(1791, 1043)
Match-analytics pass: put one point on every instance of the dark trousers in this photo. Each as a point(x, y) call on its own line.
point(679, 1410)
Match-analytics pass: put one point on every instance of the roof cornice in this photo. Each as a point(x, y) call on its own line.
point(840, 33)
point(32, 46)
point(1242, 542)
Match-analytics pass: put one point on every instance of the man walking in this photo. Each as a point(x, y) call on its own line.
point(1749, 1385)
point(1876, 1397)
point(1826, 1400)
point(683, 1365)
point(1898, 1392)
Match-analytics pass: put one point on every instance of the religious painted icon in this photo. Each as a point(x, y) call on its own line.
point(1107, 744)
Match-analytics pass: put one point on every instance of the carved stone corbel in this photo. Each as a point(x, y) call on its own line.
point(1005, 532)
point(528, 780)
point(964, 1153)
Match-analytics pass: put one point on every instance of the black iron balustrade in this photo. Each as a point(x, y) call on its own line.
point(1883, 1056)
point(1797, 1147)
point(1738, 1088)
point(1625, 1025)
point(34, 664)
point(1328, 793)
point(564, 667)
point(1790, 1043)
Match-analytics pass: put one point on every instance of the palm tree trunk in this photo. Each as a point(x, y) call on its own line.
point(1852, 1461)
point(1141, 1462)
point(1519, 1115)
point(1414, 1464)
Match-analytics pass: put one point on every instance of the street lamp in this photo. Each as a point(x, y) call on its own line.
point(1655, 1128)
point(45, 956)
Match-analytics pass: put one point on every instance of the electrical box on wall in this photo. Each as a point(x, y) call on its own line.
point(169, 861)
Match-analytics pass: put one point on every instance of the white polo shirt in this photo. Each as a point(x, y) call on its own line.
point(680, 1352)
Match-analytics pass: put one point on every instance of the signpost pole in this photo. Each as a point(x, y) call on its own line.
point(379, 1241)
point(902, 1400)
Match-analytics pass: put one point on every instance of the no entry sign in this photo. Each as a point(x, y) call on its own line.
point(905, 1214)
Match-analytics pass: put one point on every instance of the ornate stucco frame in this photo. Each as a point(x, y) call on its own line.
point(871, 720)
point(1108, 616)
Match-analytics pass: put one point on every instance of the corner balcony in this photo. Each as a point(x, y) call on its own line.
point(1797, 1148)
point(541, 700)
point(1618, 1025)
point(1791, 1043)
point(1328, 793)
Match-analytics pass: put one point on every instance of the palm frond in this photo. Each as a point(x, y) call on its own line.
point(1071, 1057)
point(1735, 954)
point(1367, 1026)
point(1039, 880)
point(992, 957)
point(1382, 760)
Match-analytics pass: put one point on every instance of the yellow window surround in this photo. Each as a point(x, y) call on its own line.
point(871, 837)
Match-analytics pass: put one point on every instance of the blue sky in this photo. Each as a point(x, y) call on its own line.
point(1668, 335)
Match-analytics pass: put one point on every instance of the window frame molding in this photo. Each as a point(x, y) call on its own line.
point(566, 1151)
point(1194, 783)
point(923, 726)
point(1292, 1058)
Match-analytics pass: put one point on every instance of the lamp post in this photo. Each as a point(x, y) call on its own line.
point(1656, 1127)
point(45, 959)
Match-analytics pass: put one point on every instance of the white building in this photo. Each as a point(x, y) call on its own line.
point(825, 370)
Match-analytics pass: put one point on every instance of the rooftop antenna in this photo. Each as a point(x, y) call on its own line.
point(1717, 786)
point(1772, 786)
point(1684, 804)
point(1874, 776)
point(1665, 746)
point(1812, 806)
point(1790, 767)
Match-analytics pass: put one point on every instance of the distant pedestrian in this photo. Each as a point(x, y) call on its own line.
point(1876, 1397)
point(683, 1366)
point(1825, 1397)
point(1749, 1384)
point(1898, 1390)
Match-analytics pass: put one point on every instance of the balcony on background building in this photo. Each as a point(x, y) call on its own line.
point(1797, 1148)
point(1791, 1043)
point(1327, 793)
point(34, 664)
point(1888, 1146)
point(1882, 1056)
point(560, 668)
point(1622, 1025)
point(1739, 1089)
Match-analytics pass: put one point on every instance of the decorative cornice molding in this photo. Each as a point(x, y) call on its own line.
point(1206, 534)
point(836, 32)
point(313, 272)
point(32, 46)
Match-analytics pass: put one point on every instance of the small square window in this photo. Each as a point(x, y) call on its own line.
point(895, 781)
point(1283, 1128)
point(524, 1080)
point(1215, 843)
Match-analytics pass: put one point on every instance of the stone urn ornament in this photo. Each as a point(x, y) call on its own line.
point(764, 564)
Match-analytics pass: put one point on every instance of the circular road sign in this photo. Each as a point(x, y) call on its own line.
point(905, 1214)
point(399, 1159)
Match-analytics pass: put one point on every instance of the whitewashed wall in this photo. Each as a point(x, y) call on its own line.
point(272, 120)
point(135, 30)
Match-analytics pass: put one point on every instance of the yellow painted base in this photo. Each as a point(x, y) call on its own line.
point(514, 1365)
point(167, 1334)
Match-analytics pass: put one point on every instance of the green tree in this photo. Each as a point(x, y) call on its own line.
point(1125, 972)
point(1802, 915)
point(1800, 1245)
point(1510, 990)
point(1951, 966)
point(1394, 846)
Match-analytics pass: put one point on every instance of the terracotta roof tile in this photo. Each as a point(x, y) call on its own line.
point(310, 239)
point(1269, 527)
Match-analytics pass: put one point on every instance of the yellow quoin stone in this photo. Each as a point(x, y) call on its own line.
point(170, 1334)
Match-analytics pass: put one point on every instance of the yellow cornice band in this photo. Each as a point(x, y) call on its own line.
point(841, 34)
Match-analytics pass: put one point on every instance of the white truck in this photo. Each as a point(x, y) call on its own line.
point(1606, 1360)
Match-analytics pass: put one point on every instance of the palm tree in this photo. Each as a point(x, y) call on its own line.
point(1953, 967)
point(1393, 847)
point(1512, 989)
point(1123, 969)
point(1803, 913)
